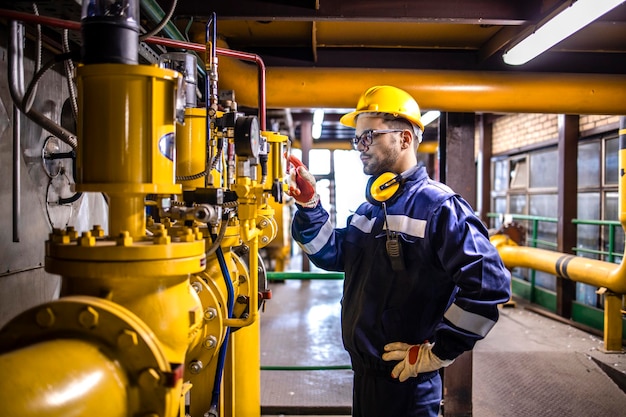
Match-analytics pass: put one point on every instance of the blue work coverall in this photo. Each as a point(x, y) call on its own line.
point(447, 294)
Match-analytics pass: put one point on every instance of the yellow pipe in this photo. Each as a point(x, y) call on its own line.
point(575, 268)
point(127, 213)
point(453, 91)
point(191, 149)
point(250, 235)
point(247, 371)
point(612, 322)
point(60, 378)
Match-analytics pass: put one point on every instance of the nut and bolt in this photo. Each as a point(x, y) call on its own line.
point(97, 231)
point(196, 286)
point(127, 339)
point(195, 367)
point(210, 314)
point(210, 342)
point(149, 378)
point(124, 239)
point(88, 318)
point(86, 239)
point(45, 317)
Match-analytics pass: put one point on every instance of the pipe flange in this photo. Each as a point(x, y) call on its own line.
point(207, 342)
point(119, 334)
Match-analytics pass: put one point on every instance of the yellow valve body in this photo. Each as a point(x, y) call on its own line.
point(126, 128)
point(191, 148)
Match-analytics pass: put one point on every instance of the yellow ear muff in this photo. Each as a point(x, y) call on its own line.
point(382, 187)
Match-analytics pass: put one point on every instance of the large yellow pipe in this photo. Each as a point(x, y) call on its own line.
point(576, 268)
point(453, 91)
point(72, 378)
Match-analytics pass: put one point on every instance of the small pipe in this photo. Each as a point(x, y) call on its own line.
point(17, 200)
point(250, 235)
point(244, 56)
point(306, 368)
point(279, 276)
point(221, 360)
point(66, 24)
point(37, 19)
point(16, 73)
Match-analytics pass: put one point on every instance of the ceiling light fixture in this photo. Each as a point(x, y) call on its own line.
point(318, 118)
point(430, 117)
point(546, 34)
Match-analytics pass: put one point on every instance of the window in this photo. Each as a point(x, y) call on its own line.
point(544, 169)
point(589, 157)
point(501, 174)
point(519, 173)
point(611, 163)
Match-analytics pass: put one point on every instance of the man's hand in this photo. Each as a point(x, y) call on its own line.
point(414, 359)
point(301, 184)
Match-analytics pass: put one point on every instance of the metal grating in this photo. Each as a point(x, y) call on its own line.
point(521, 384)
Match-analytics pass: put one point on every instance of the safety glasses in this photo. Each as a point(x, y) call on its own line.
point(367, 137)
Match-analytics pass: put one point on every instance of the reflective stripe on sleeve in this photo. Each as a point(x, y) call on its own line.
point(362, 223)
point(466, 320)
point(318, 241)
point(408, 225)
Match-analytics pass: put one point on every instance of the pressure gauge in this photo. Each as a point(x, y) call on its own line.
point(247, 136)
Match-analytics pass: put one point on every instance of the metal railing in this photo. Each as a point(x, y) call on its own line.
point(534, 241)
point(532, 238)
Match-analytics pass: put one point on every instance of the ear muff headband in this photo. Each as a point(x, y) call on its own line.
point(382, 187)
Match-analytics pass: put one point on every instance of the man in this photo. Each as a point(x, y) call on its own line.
point(422, 281)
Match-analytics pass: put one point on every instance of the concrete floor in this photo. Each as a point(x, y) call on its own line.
point(529, 365)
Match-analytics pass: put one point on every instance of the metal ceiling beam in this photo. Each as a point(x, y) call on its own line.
point(494, 12)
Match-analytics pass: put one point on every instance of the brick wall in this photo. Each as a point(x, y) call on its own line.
point(519, 131)
point(590, 122)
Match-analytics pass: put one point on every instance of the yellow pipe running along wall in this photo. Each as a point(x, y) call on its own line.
point(451, 91)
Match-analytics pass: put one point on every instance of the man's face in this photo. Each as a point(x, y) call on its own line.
point(382, 154)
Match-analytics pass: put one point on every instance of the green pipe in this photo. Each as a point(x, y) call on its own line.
point(611, 243)
point(610, 255)
point(279, 276)
point(305, 368)
point(597, 222)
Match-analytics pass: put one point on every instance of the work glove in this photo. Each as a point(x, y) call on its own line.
point(301, 183)
point(414, 359)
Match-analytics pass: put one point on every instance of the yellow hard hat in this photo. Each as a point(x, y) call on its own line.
point(385, 99)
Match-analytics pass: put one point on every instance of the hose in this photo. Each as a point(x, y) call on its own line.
point(223, 349)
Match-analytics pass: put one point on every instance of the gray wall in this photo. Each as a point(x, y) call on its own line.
point(23, 280)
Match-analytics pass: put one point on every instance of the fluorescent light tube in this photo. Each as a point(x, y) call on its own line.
point(564, 24)
point(316, 131)
point(430, 117)
point(318, 116)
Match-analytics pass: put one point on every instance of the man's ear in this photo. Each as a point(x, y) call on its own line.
point(407, 139)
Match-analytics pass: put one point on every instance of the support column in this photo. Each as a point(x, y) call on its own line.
point(485, 137)
point(306, 141)
point(567, 205)
point(458, 170)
